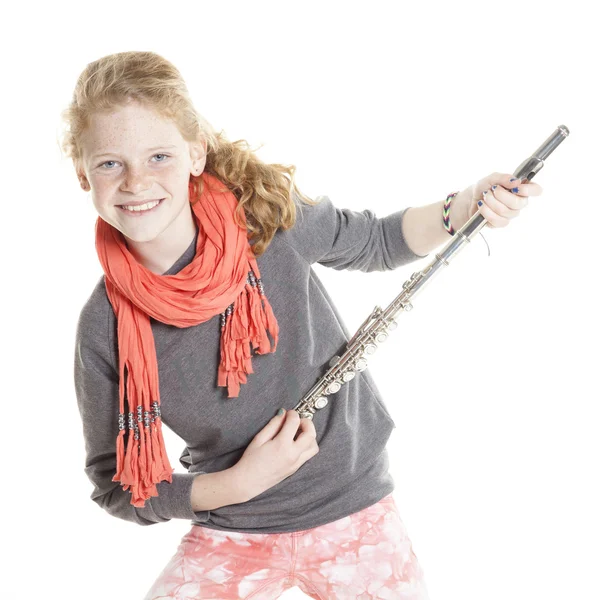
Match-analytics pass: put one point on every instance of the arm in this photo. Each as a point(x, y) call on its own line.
point(340, 238)
point(97, 391)
point(502, 197)
point(213, 490)
point(423, 227)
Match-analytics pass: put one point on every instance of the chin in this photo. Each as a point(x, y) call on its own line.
point(139, 233)
point(140, 237)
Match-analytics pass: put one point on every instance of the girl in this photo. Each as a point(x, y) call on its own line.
point(207, 255)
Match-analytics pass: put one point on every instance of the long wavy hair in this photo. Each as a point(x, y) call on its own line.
point(264, 191)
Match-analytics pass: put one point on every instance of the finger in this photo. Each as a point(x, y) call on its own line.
point(489, 214)
point(511, 200)
point(510, 182)
point(292, 422)
point(271, 429)
point(506, 180)
point(529, 189)
point(307, 430)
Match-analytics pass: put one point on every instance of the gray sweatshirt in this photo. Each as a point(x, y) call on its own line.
point(350, 471)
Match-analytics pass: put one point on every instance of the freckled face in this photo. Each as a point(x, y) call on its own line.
point(132, 155)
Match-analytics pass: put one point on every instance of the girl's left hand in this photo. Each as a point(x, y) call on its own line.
point(502, 197)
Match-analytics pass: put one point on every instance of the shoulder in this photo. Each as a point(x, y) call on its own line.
point(311, 212)
point(314, 224)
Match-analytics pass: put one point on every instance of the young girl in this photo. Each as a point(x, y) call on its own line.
point(207, 255)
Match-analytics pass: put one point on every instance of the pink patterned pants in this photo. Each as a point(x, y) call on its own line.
point(363, 556)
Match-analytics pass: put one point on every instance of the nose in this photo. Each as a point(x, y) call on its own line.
point(137, 179)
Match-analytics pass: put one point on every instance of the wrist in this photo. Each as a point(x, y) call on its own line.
point(238, 483)
point(459, 212)
point(447, 212)
point(211, 491)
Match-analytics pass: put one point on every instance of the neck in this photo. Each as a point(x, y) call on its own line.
point(160, 254)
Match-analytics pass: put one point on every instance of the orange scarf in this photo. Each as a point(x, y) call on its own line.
point(222, 278)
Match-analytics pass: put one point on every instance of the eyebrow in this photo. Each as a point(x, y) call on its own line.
point(96, 156)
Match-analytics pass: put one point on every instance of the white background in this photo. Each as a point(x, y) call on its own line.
point(491, 379)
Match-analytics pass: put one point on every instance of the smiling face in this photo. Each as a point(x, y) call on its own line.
point(132, 156)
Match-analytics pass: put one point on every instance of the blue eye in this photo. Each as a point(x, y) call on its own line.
point(112, 161)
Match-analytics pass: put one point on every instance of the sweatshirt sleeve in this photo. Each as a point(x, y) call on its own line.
point(97, 391)
point(341, 238)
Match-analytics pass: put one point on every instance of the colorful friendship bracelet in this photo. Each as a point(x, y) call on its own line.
point(446, 213)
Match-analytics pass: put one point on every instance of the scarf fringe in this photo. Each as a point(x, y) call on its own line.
point(145, 462)
point(239, 332)
point(136, 476)
point(120, 455)
point(166, 469)
point(271, 323)
point(145, 446)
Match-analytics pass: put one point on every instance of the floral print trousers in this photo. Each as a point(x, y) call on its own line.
point(366, 555)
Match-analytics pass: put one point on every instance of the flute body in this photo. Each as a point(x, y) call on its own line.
point(375, 328)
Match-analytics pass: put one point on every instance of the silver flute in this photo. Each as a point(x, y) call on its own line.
point(376, 326)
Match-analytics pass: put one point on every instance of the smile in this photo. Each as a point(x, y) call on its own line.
point(141, 208)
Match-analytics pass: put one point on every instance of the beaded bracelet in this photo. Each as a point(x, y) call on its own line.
point(446, 213)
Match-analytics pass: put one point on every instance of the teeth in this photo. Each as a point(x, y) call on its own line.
point(141, 207)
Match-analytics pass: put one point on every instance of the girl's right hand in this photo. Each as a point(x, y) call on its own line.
point(275, 454)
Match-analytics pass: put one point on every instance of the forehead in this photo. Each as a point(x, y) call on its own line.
point(129, 127)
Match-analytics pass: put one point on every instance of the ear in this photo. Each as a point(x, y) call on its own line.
point(198, 156)
point(83, 181)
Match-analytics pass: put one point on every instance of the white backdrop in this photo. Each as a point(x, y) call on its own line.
point(491, 379)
